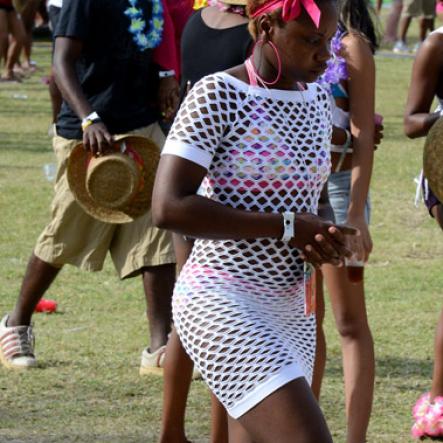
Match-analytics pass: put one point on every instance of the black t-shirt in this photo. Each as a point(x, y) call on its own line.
point(206, 50)
point(119, 81)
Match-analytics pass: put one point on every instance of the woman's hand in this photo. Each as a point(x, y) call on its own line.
point(168, 97)
point(320, 241)
point(378, 134)
point(363, 241)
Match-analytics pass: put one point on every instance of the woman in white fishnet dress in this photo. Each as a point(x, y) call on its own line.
point(242, 161)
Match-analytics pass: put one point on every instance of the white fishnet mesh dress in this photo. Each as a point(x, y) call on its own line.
point(239, 304)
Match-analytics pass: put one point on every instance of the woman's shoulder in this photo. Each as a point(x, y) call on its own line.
point(220, 83)
point(434, 42)
point(429, 58)
point(354, 41)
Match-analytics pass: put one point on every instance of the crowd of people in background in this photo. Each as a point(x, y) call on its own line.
point(400, 17)
point(18, 20)
point(265, 114)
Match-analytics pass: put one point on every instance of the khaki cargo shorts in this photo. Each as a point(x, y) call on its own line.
point(74, 237)
point(419, 8)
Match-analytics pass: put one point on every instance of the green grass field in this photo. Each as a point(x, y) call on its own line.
point(87, 388)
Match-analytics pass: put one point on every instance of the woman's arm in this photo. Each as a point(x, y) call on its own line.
point(425, 75)
point(361, 91)
point(177, 207)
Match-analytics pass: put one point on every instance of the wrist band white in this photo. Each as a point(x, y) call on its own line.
point(288, 226)
point(93, 117)
point(165, 74)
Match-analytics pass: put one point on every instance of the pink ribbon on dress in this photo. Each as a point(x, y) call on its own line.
point(291, 9)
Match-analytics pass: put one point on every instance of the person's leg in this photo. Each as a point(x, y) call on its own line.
point(38, 278)
point(237, 433)
point(348, 304)
point(219, 422)
point(55, 243)
point(177, 380)
point(439, 10)
point(427, 410)
point(289, 415)
point(17, 31)
point(158, 284)
point(16, 334)
point(177, 370)
point(28, 15)
point(405, 21)
point(3, 34)
point(437, 378)
point(391, 31)
point(320, 350)
point(425, 25)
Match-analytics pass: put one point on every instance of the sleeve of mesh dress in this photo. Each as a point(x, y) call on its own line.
point(326, 109)
point(200, 123)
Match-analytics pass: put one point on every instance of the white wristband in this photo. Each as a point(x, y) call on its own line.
point(165, 74)
point(288, 226)
point(93, 116)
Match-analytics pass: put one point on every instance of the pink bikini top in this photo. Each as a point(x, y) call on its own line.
point(251, 72)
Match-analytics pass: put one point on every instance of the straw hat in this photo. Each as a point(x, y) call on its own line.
point(234, 2)
point(116, 187)
point(433, 158)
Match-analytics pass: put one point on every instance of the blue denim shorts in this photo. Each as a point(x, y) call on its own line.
point(429, 197)
point(339, 191)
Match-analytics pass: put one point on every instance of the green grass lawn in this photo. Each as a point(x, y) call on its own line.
point(87, 388)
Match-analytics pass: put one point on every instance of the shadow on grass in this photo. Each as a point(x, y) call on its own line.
point(78, 438)
point(390, 367)
point(24, 167)
point(52, 363)
point(26, 146)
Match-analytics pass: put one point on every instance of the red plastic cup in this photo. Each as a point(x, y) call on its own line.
point(47, 306)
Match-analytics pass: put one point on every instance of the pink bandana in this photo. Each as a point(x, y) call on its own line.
point(291, 9)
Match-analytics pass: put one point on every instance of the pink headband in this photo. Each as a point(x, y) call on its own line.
point(291, 9)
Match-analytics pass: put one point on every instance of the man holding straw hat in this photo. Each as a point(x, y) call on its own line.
point(113, 62)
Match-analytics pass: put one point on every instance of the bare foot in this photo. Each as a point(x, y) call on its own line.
point(10, 77)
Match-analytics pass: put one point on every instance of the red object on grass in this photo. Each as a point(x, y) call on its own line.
point(45, 305)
